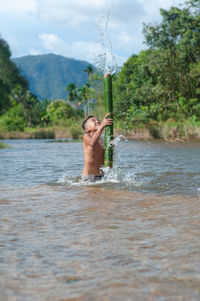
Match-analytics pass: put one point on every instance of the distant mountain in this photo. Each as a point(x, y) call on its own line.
point(49, 74)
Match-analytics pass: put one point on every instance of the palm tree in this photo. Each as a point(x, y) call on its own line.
point(84, 96)
point(72, 91)
point(89, 70)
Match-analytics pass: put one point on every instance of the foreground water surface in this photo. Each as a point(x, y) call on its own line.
point(133, 236)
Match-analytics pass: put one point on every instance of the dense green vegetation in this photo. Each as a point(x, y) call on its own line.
point(163, 82)
point(9, 76)
point(49, 74)
point(157, 90)
point(20, 109)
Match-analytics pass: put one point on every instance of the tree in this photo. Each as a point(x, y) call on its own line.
point(162, 81)
point(59, 112)
point(13, 119)
point(72, 91)
point(32, 107)
point(176, 44)
point(9, 75)
point(4, 100)
point(89, 70)
point(86, 94)
point(8, 70)
point(84, 97)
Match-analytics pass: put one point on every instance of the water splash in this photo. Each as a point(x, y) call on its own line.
point(105, 61)
point(119, 138)
point(113, 175)
point(70, 180)
point(119, 174)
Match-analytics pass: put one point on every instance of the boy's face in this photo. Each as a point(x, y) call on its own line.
point(92, 124)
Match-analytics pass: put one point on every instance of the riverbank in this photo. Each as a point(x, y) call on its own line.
point(168, 131)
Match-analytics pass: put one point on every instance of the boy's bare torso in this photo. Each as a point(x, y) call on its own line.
point(93, 157)
point(92, 145)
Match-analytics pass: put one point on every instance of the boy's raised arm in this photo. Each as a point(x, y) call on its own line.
point(94, 139)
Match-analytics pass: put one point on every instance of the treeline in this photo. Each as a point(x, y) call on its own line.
point(163, 82)
point(20, 109)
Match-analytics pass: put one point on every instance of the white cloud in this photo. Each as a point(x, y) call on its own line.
point(125, 18)
point(81, 50)
point(78, 49)
point(80, 11)
point(73, 24)
point(67, 11)
point(152, 8)
point(20, 7)
point(34, 51)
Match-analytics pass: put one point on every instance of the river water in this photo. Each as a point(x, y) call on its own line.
point(133, 236)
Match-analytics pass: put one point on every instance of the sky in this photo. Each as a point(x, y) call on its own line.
point(78, 29)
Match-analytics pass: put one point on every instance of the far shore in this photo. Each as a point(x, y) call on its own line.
point(150, 132)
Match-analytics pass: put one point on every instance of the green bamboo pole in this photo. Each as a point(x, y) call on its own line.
point(108, 156)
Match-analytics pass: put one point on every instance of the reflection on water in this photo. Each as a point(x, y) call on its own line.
point(134, 238)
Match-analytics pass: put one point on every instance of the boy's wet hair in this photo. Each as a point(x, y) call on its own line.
point(85, 121)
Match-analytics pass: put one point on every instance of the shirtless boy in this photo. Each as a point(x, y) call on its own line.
point(93, 148)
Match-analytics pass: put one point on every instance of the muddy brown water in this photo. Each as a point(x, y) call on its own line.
point(133, 236)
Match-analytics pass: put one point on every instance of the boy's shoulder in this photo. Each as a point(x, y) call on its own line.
point(86, 137)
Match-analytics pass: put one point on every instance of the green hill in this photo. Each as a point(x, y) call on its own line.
point(49, 74)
